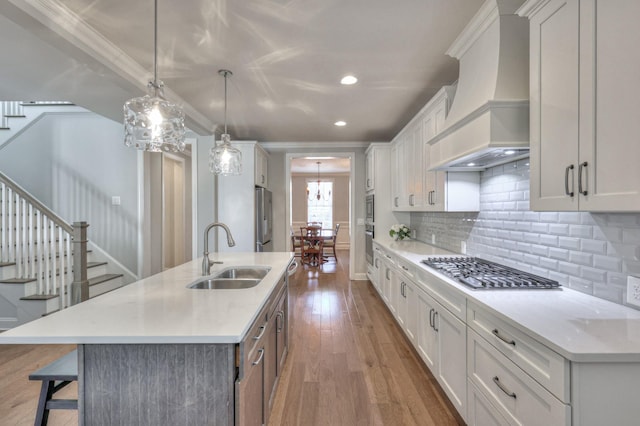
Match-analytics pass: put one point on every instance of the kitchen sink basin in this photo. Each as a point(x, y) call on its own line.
point(233, 278)
point(225, 283)
point(255, 272)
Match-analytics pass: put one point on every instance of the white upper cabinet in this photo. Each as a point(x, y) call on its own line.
point(370, 163)
point(584, 67)
point(261, 167)
point(414, 188)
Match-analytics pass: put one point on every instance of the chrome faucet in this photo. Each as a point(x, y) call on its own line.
point(206, 262)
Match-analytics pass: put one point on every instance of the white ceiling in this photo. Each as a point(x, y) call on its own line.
point(287, 58)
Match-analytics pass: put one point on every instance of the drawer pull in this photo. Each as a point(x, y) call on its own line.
point(431, 318)
point(499, 336)
point(263, 328)
point(435, 315)
point(405, 268)
point(507, 392)
point(259, 360)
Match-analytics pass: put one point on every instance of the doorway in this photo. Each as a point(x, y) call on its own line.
point(332, 179)
point(174, 217)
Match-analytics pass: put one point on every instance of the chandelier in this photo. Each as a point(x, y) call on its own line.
point(326, 195)
point(224, 159)
point(151, 123)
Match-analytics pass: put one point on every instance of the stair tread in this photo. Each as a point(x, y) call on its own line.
point(39, 297)
point(94, 264)
point(17, 280)
point(7, 264)
point(103, 278)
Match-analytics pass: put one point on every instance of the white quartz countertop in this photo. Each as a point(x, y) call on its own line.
point(161, 309)
point(580, 327)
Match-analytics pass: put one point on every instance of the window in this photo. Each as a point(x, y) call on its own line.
point(320, 210)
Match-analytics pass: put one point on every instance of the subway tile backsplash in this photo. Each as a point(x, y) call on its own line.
point(589, 252)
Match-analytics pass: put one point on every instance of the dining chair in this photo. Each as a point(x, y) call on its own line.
point(332, 242)
point(311, 250)
point(296, 243)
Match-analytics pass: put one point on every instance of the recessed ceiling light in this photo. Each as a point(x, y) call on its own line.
point(340, 123)
point(471, 164)
point(509, 152)
point(348, 80)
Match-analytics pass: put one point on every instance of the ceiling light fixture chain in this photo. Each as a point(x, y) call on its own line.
point(319, 195)
point(224, 159)
point(151, 123)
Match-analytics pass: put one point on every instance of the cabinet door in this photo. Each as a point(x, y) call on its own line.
point(396, 184)
point(398, 300)
point(609, 93)
point(411, 309)
point(270, 367)
point(415, 167)
point(452, 357)
point(370, 170)
point(261, 168)
point(554, 79)
point(386, 283)
point(249, 393)
point(282, 331)
point(427, 337)
point(378, 268)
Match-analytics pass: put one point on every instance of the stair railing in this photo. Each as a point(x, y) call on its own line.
point(40, 243)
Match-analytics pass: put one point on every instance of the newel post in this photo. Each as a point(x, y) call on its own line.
point(80, 284)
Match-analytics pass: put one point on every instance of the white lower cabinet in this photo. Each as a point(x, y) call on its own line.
point(519, 398)
point(480, 411)
point(442, 345)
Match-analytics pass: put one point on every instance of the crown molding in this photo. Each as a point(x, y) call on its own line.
point(287, 146)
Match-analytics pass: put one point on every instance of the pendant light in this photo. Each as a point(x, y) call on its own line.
point(318, 195)
point(151, 123)
point(224, 159)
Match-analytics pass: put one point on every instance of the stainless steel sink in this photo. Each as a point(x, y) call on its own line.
point(233, 278)
point(256, 272)
point(225, 283)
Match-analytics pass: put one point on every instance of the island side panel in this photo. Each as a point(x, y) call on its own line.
point(190, 384)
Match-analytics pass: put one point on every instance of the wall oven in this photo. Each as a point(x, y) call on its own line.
point(369, 209)
point(368, 232)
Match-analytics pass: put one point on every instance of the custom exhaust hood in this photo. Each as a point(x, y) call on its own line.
point(488, 123)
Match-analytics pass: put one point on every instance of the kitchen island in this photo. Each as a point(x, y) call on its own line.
point(157, 352)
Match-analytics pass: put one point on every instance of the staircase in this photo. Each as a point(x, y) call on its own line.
point(18, 116)
point(44, 262)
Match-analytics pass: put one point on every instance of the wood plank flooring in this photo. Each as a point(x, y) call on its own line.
point(348, 363)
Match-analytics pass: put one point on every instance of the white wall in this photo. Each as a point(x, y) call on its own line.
point(74, 163)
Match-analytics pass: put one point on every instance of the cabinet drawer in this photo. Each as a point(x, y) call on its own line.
point(406, 267)
point(519, 398)
point(547, 367)
point(481, 412)
point(443, 292)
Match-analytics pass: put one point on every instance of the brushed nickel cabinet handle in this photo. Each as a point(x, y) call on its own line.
point(580, 179)
point(395, 201)
point(259, 360)
point(507, 392)
point(435, 197)
point(431, 317)
point(405, 268)
point(386, 274)
point(566, 180)
point(435, 315)
point(263, 328)
point(411, 199)
point(504, 339)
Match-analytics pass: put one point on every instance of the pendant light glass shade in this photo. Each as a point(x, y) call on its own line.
point(151, 123)
point(225, 159)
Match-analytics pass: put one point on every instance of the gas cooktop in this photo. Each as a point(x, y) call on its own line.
point(482, 274)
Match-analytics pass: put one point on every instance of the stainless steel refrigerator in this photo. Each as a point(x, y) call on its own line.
point(264, 220)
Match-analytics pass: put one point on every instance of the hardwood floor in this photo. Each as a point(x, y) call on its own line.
point(348, 363)
point(19, 395)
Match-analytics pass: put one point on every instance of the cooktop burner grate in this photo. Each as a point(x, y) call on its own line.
point(482, 274)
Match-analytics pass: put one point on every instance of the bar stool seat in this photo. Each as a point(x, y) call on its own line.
point(64, 370)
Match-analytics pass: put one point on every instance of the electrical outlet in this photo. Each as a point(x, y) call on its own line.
point(433, 238)
point(633, 291)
